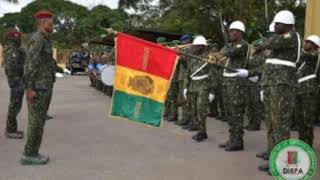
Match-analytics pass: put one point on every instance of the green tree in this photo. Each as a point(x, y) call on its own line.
point(74, 24)
point(203, 16)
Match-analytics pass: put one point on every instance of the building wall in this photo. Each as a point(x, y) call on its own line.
point(312, 21)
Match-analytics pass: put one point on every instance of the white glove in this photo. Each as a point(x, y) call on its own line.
point(185, 94)
point(243, 73)
point(261, 96)
point(254, 79)
point(59, 75)
point(211, 97)
point(66, 71)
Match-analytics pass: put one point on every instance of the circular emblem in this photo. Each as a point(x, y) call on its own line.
point(293, 160)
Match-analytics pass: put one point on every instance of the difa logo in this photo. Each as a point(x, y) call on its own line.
point(292, 160)
point(292, 164)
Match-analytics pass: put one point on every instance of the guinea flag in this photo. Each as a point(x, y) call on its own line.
point(143, 73)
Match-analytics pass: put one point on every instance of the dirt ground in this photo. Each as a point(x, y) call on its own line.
point(85, 144)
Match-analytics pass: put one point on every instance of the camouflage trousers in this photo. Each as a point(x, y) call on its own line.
point(199, 107)
point(254, 106)
point(186, 104)
point(16, 99)
point(279, 103)
point(49, 100)
point(171, 105)
point(181, 99)
point(36, 122)
point(216, 106)
point(306, 115)
point(234, 106)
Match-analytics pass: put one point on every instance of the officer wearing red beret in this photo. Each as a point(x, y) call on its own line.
point(14, 60)
point(39, 77)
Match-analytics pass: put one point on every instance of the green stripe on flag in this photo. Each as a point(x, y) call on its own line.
point(136, 108)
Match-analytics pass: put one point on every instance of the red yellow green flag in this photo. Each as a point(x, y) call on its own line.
point(142, 79)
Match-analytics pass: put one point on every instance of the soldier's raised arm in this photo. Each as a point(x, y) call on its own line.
point(235, 51)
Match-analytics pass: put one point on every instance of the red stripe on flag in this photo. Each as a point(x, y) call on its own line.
point(145, 56)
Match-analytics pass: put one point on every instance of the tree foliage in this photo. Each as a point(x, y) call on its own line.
point(74, 24)
point(204, 16)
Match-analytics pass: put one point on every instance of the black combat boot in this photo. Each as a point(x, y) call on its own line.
point(261, 154)
point(234, 147)
point(199, 137)
point(212, 115)
point(187, 126)
point(166, 117)
point(182, 122)
point(173, 119)
point(264, 168)
point(225, 144)
point(252, 128)
point(192, 128)
point(48, 117)
point(266, 157)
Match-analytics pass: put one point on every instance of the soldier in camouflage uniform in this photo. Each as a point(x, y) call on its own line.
point(309, 79)
point(198, 87)
point(258, 71)
point(214, 105)
point(172, 105)
point(172, 98)
point(218, 100)
point(279, 79)
point(14, 58)
point(186, 41)
point(39, 77)
point(233, 86)
point(255, 108)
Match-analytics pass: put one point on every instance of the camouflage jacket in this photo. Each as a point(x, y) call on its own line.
point(238, 55)
point(196, 70)
point(183, 64)
point(175, 77)
point(309, 72)
point(284, 48)
point(256, 61)
point(14, 59)
point(40, 67)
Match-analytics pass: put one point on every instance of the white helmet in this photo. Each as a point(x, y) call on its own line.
point(315, 39)
point(284, 17)
point(271, 27)
point(200, 40)
point(238, 25)
point(85, 45)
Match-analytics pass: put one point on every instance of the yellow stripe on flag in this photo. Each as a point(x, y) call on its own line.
point(141, 84)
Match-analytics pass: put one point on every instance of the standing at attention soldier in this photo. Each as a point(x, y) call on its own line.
point(14, 60)
point(39, 77)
